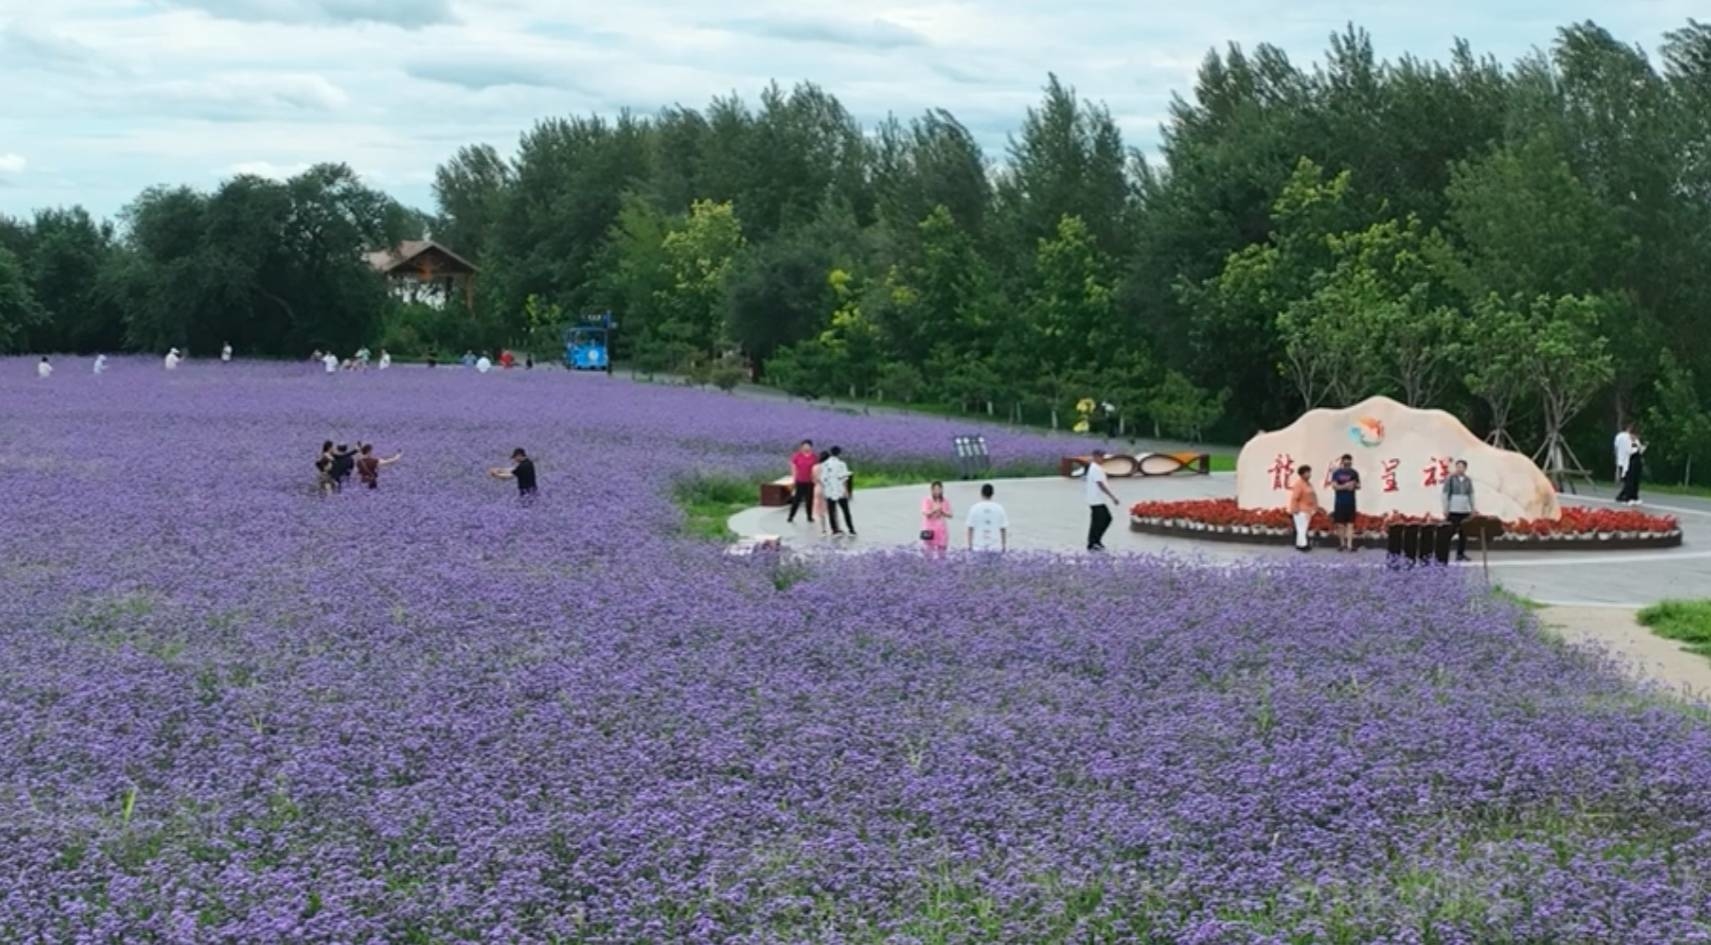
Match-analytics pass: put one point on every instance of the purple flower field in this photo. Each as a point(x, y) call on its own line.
point(233, 712)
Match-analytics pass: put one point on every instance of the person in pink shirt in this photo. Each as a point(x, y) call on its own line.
point(802, 463)
point(935, 520)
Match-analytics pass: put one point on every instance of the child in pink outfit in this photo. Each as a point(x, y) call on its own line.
point(935, 520)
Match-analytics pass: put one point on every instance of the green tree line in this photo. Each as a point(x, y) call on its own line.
point(1525, 244)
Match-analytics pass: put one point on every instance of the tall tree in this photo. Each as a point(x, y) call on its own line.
point(1068, 161)
point(933, 162)
point(571, 175)
point(469, 191)
point(19, 312)
point(698, 257)
point(68, 254)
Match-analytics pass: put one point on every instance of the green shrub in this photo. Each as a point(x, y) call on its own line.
point(1686, 620)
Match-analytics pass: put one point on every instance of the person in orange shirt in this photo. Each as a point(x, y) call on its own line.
point(1303, 504)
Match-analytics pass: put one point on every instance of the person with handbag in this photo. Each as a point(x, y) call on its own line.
point(819, 500)
point(935, 520)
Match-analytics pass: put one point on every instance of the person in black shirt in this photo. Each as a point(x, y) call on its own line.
point(522, 469)
point(1345, 482)
point(344, 461)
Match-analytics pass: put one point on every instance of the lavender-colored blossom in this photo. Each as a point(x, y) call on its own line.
point(234, 712)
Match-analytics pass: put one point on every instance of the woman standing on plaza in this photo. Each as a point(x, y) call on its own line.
point(1303, 505)
point(935, 520)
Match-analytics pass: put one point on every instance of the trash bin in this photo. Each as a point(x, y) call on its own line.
point(1416, 543)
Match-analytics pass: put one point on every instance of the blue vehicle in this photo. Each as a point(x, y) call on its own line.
point(587, 346)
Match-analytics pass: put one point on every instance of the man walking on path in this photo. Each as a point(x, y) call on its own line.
point(988, 525)
point(1624, 451)
point(802, 480)
point(835, 486)
point(1458, 505)
point(1634, 470)
point(1097, 493)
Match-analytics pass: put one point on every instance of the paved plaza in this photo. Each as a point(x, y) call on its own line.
point(1048, 515)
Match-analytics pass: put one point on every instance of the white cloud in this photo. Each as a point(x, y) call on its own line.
point(124, 94)
point(268, 169)
point(251, 95)
point(409, 14)
point(876, 32)
point(12, 163)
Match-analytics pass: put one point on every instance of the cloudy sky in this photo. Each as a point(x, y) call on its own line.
point(105, 97)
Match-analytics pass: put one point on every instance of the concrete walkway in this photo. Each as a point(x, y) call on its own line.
point(1641, 653)
point(1593, 596)
point(1048, 514)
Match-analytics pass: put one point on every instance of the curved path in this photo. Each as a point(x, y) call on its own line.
point(1592, 596)
point(1047, 514)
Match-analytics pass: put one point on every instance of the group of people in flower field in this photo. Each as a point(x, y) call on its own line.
point(1344, 483)
point(362, 359)
point(335, 464)
point(173, 358)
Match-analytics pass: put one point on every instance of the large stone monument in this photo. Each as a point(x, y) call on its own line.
point(1402, 455)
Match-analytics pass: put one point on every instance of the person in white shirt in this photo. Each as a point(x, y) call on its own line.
point(100, 364)
point(330, 362)
point(835, 486)
point(172, 359)
point(1096, 493)
point(44, 370)
point(1624, 451)
point(362, 356)
point(1633, 470)
point(385, 359)
point(483, 364)
point(988, 526)
point(226, 353)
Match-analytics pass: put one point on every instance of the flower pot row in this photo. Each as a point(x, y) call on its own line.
point(1578, 529)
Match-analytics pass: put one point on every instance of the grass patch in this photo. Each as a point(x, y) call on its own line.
point(1688, 621)
point(708, 502)
point(1508, 596)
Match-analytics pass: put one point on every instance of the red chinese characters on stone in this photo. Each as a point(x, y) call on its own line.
point(1436, 472)
point(1389, 475)
point(1281, 469)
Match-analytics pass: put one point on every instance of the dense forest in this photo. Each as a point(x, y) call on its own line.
point(1526, 244)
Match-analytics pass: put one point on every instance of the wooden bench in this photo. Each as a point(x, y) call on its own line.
point(1124, 466)
point(1169, 464)
point(777, 492)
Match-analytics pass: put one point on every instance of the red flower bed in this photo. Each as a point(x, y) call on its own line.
point(1576, 520)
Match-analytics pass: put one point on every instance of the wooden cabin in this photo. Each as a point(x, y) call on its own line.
point(426, 272)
